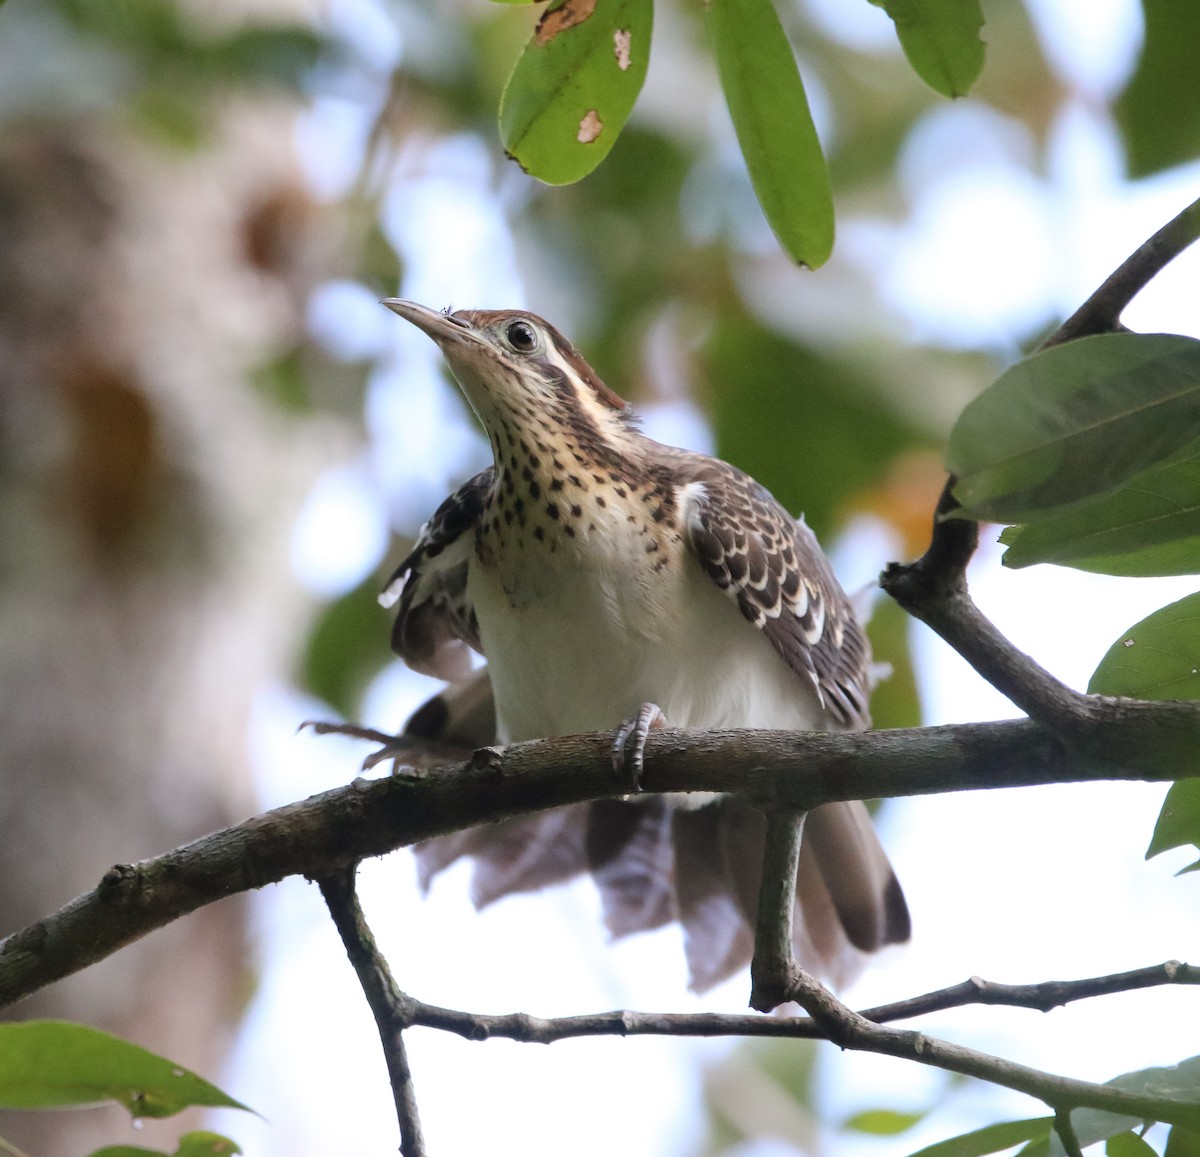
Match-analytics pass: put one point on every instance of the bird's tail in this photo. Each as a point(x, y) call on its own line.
point(654, 863)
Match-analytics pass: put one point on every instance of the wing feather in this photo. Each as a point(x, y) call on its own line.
point(772, 566)
point(435, 627)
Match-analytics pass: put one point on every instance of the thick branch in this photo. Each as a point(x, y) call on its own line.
point(328, 832)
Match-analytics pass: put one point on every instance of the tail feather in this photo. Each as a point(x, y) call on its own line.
point(653, 863)
point(631, 861)
point(717, 937)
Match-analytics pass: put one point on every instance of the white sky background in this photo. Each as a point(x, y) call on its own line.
point(1019, 885)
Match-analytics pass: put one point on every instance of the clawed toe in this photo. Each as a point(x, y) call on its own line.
point(629, 746)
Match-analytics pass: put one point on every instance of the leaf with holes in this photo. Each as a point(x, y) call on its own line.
point(1157, 658)
point(575, 86)
point(1074, 422)
point(941, 40)
point(774, 127)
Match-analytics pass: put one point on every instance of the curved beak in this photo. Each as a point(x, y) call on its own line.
point(442, 327)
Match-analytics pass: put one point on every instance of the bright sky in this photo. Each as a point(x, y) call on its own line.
point(1015, 885)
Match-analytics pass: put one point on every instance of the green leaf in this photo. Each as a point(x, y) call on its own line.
point(1073, 422)
point(1179, 820)
point(1038, 1148)
point(44, 1063)
point(1149, 526)
point(774, 127)
point(883, 1122)
point(575, 86)
point(1179, 1082)
point(941, 40)
point(346, 648)
point(849, 436)
point(1127, 1144)
point(204, 1144)
point(1157, 658)
point(1182, 1142)
point(1158, 113)
point(991, 1139)
point(196, 1144)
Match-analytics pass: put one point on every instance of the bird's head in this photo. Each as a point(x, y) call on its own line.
point(518, 372)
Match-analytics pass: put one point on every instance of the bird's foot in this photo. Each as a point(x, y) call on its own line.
point(629, 747)
point(409, 754)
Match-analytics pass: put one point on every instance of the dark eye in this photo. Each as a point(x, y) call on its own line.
point(521, 337)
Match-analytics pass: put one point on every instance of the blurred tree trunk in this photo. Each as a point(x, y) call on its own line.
point(146, 495)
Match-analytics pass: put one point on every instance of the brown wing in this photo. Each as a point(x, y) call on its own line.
point(772, 566)
point(435, 624)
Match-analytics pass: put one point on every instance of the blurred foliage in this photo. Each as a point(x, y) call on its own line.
point(894, 702)
point(882, 1122)
point(174, 64)
point(809, 429)
point(1165, 80)
point(763, 1089)
point(346, 648)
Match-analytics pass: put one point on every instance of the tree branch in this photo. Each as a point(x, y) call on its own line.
point(934, 588)
point(1066, 1132)
point(1102, 311)
point(774, 957)
point(388, 1004)
point(773, 769)
point(520, 1026)
point(849, 1029)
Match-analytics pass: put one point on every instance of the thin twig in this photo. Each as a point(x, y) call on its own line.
point(521, 1026)
point(773, 952)
point(832, 1020)
point(388, 1004)
point(1102, 311)
point(1042, 997)
point(846, 1028)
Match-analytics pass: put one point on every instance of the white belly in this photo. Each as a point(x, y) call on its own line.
point(582, 650)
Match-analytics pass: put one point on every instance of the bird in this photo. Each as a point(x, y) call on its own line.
point(614, 582)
